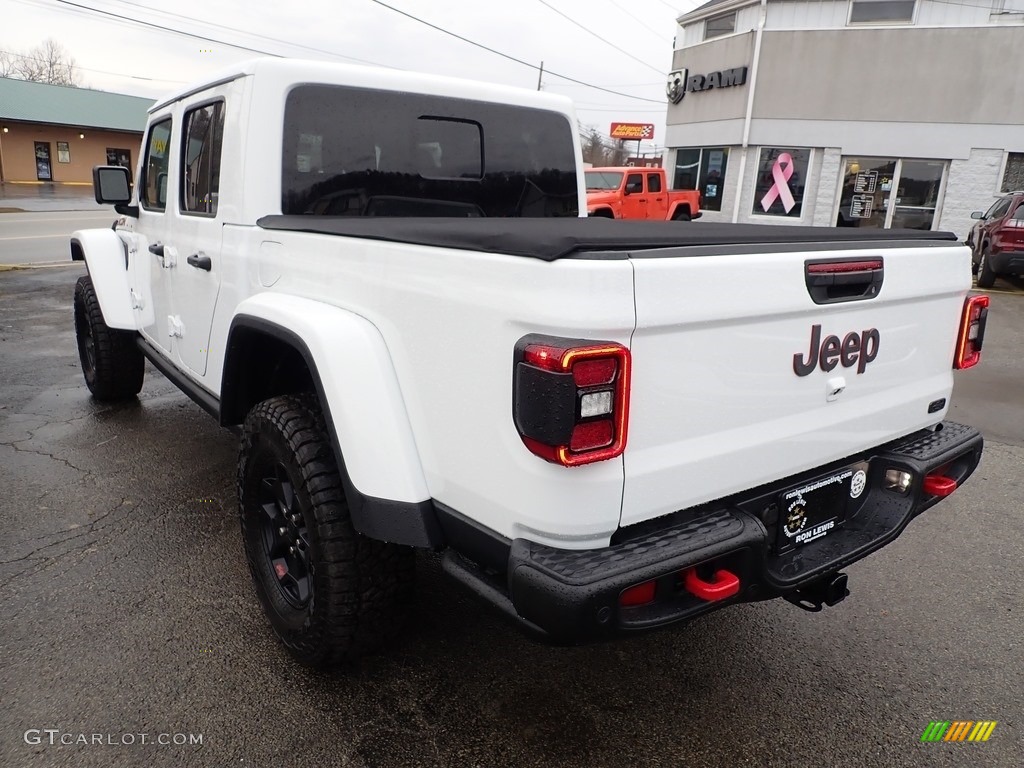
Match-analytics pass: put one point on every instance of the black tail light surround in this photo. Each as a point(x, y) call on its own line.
point(570, 398)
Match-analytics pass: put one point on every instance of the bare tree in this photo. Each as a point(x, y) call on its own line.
point(8, 65)
point(48, 62)
point(593, 147)
point(601, 151)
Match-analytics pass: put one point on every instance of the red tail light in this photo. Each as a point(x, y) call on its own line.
point(571, 398)
point(972, 332)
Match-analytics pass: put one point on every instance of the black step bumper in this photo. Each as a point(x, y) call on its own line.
point(576, 596)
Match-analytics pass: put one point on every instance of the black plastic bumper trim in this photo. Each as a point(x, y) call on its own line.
point(572, 596)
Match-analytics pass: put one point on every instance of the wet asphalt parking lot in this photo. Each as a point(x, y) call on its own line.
point(126, 609)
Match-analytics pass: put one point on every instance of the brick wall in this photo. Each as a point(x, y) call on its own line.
point(971, 185)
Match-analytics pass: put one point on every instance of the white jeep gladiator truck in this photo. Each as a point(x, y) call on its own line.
point(386, 283)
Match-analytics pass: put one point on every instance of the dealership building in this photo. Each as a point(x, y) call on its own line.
point(870, 113)
point(55, 134)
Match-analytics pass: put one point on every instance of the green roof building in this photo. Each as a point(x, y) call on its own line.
point(56, 134)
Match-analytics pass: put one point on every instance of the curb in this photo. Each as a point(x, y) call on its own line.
point(42, 265)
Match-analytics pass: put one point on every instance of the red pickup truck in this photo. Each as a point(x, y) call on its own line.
point(638, 193)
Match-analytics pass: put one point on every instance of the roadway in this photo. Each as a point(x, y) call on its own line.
point(127, 608)
point(42, 237)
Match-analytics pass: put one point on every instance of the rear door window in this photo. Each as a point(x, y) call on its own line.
point(200, 166)
point(363, 152)
point(653, 182)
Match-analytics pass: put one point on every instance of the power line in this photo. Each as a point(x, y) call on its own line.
point(590, 32)
point(508, 56)
point(196, 36)
point(639, 21)
point(162, 28)
point(252, 34)
point(98, 71)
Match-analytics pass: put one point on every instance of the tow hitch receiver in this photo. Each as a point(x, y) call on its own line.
point(829, 590)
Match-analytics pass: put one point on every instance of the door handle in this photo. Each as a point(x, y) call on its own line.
point(157, 249)
point(199, 261)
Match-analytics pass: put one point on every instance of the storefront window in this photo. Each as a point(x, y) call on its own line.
point(781, 175)
point(702, 169)
point(890, 192)
point(687, 169)
point(917, 194)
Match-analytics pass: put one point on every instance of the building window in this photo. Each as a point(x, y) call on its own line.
point(781, 175)
point(882, 11)
point(704, 170)
point(881, 192)
point(63, 152)
point(1013, 175)
point(720, 25)
point(204, 137)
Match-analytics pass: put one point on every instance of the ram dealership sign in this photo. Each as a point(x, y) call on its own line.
point(680, 82)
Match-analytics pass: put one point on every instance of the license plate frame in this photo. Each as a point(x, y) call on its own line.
point(810, 511)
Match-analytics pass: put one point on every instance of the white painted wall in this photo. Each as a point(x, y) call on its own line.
point(833, 14)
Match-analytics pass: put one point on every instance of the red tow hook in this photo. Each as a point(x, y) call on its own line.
point(725, 585)
point(939, 485)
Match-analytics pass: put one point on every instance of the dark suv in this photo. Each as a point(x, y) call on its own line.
point(997, 240)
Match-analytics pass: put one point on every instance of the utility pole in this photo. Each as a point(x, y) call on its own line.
point(540, 74)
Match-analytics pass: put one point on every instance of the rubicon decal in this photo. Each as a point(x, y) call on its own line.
point(856, 349)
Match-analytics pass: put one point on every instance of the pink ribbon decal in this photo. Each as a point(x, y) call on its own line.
point(782, 171)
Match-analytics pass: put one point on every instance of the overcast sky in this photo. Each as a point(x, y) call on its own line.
point(117, 55)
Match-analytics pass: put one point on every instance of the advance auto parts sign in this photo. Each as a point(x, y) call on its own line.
point(634, 131)
point(680, 82)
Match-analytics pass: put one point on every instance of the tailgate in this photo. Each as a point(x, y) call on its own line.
point(719, 404)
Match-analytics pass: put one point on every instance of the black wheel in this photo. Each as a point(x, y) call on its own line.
point(112, 363)
point(330, 593)
point(683, 215)
point(986, 277)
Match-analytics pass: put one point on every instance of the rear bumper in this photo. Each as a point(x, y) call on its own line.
point(573, 596)
point(1007, 262)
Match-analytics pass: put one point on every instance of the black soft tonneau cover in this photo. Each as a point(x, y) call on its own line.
point(558, 238)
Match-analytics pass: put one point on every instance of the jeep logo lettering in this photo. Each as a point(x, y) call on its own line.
point(855, 349)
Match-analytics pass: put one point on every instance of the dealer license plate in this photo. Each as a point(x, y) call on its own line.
point(812, 511)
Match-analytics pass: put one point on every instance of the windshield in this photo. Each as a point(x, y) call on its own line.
point(603, 180)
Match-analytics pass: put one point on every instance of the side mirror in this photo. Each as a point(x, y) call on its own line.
point(634, 188)
point(111, 184)
point(977, 215)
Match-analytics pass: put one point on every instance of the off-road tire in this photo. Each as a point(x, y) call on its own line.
point(358, 588)
point(986, 277)
point(681, 215)
point(112, 364)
